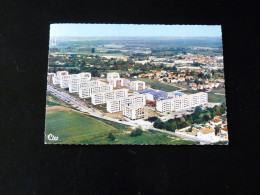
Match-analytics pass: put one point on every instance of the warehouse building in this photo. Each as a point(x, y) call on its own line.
point(156, 95)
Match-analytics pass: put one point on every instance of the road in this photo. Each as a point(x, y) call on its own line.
point(82, 106)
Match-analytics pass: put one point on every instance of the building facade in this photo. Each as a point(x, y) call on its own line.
point(86, 92)
point(103, 97)
point(155, 95)
point(116, 105)
point(112, 75)
point(180, 102)
point(117, 82)
point(137, 85)
point(134, 112)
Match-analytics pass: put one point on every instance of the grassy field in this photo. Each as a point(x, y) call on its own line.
point(75, 128)
point(157, 85)
point(217, 98)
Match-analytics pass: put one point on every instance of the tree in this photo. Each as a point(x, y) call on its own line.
point(158, 124)
point(152, 119)
point(169, 126)
point(217, 129)
point(111, 136)
point(136, 132)
point(198, 110)
point(206, 117)
point(200, 75)
point(174, 68)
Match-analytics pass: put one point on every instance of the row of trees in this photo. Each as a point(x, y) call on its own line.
point(137, 132)
point(199, 116)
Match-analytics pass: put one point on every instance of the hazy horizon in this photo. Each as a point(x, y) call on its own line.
point(134, 30)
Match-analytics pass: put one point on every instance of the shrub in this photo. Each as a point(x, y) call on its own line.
point(136, 132)
point(111, 136)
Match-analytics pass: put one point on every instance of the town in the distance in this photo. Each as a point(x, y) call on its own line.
point(172, 86)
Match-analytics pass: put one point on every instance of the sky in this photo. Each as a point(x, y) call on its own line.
point(120, 30)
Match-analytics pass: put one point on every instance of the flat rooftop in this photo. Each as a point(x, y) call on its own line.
point(146, 91)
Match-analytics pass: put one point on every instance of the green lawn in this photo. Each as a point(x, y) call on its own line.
point(75, 128)
point(157, 85)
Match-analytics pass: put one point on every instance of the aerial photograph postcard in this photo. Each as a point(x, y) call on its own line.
point(129, 84)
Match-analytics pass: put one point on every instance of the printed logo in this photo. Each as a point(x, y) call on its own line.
point(52, 137)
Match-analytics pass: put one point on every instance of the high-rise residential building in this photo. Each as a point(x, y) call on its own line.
point(137, 85)
point(103, 97)
point(117, 105)
point(112, 75)
point(86, 92)
point(117, 82)
point(181, 101)
point(64, 81)
point(133, 111)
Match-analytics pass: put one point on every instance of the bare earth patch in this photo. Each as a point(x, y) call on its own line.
point(116, 115)
point(54, 109)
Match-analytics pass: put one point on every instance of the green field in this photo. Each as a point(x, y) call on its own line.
point(157, 85)
point(216, 98)
point(75, 128)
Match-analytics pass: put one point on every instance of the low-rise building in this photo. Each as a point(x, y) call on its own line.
point(206, 134)
point(134, 112)
point(215, 122)
point(155, 95)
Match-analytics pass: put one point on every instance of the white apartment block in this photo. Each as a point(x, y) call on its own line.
point(116, 105)
point(56, 80)
point(86, 92)
point(117, 82)
point(137, 85)
point(112, 75)
point(103, 97)
point(85, 76)
point(74, 83)
point(93, 83)
point(62, 73)
point(50, 76)
point(64, 81)
point(127, 83)
point(134, 112)
point(182, 102)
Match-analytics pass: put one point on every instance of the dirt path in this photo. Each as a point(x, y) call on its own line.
point(54, 109)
